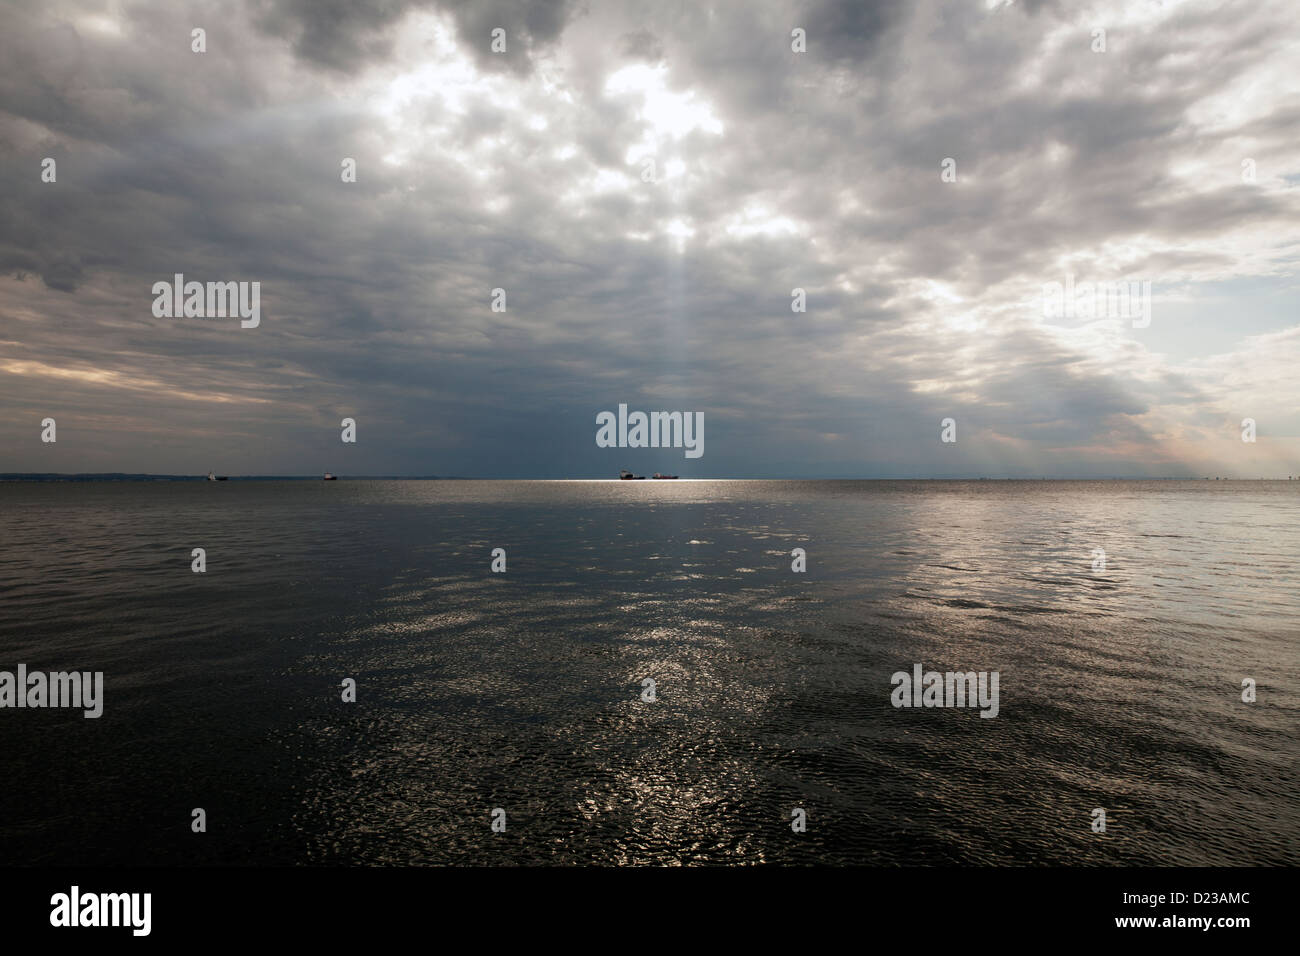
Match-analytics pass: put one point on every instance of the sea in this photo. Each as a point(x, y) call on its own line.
point(655, 672)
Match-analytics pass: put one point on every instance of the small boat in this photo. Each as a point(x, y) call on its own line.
point(212, 477)
point(662, 477)
point(628, 476)
point(329, 477)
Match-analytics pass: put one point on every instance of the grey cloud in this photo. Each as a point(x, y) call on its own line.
point(642, 45)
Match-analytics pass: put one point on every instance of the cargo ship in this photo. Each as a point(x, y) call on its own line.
point(329, 477)
point(662, 477)
point(628, 476)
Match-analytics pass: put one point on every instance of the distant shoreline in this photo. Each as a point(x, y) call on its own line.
point(122, 476)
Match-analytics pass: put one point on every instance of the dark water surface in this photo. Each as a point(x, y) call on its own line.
point(1119, 689)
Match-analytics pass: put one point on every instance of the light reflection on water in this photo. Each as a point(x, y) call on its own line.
point(1118, 689)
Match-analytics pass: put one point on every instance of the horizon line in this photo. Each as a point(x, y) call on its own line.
point(163, 476)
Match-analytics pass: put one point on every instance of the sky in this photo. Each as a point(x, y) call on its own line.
point(649, 184)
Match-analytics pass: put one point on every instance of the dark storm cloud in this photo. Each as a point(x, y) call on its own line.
point(335, 34)
point(534, 23)
point(345, 35)
point(851, 29)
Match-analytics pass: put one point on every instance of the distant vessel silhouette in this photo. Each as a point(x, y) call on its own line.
point(329, 477)
point(628, 476)
point(212, 477)
point(657, 475)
